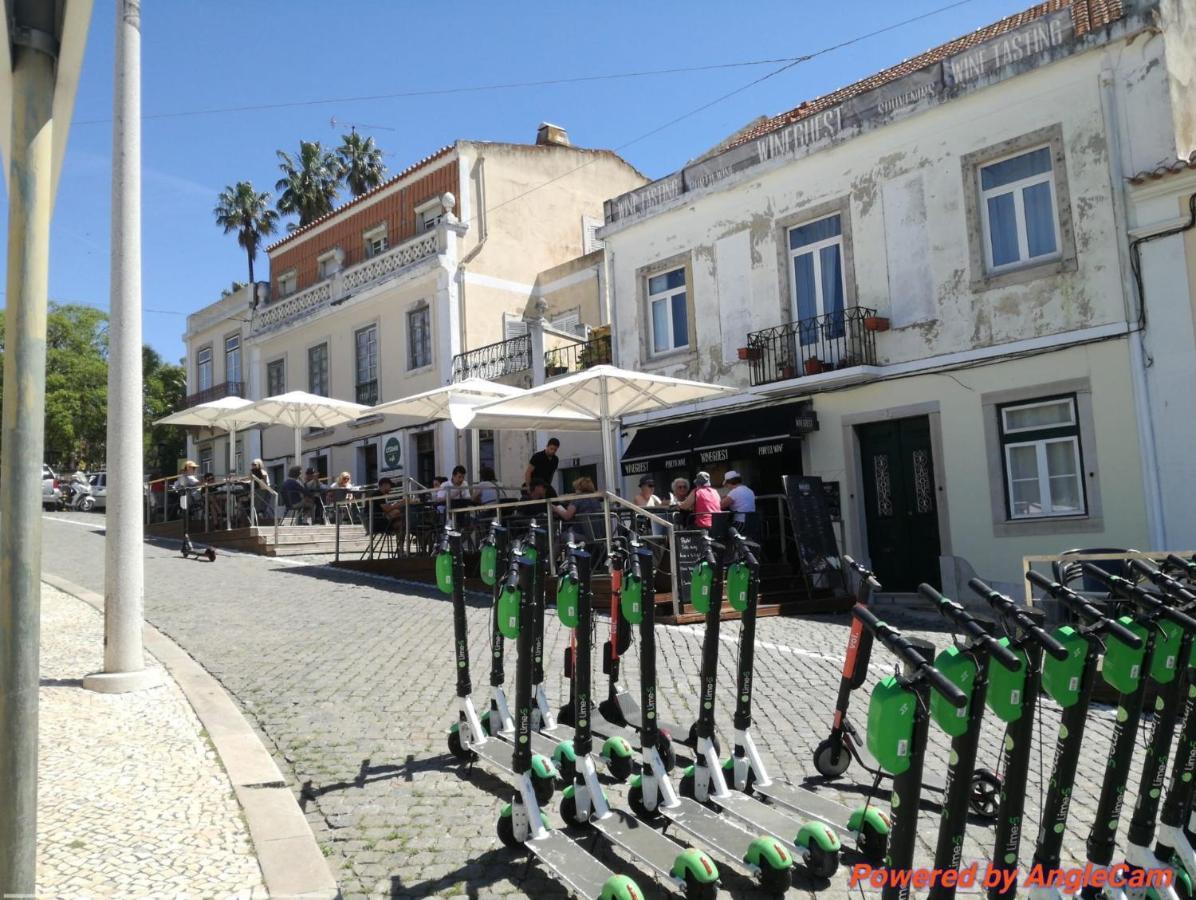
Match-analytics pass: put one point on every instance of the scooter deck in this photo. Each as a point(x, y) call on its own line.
point(808, 804)
point(716, 833)
point(570, 863)
point(757, 815)
point(639, 839)
point(497, 753)
point(635, 719)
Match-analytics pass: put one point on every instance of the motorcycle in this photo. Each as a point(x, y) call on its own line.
point(81, 497)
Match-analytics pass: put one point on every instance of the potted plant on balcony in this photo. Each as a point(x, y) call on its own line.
point(813, 365)
point(876, 323)
point(750, 353)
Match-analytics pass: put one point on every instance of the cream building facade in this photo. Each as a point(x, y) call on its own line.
point(922, 284)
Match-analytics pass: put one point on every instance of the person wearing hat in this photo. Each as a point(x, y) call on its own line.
point(647, 494)
point(188, 481)
point(739, 499)
point(703, 501)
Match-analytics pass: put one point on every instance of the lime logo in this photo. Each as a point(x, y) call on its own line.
point(1122, 715)
point(954, 758)
point(392, 453)
point(1059, 828)
point(895, 801)
point(582, 723)
point(1062, 732)
point(743, 698)
point(1154, 793)
point(460, 665)
point(1159, 704)
point(1187, 777)
point(1010, 858)
point(523, 738)
point(1008, 744)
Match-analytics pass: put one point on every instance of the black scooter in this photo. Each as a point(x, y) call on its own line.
point(190, 550)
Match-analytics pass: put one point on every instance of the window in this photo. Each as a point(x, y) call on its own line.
point(240, 456)
point(816, 260)
point(419, 338)
point(232, 358)
point(276, 377)
point(366, 341)
point(317, 369)
point(425, 457)
point(287, 283)
point(205, 461)
point(428, 215)
point(668, 311)
point(1040, 443)
point(375, 241)
point(485, 449)
point(1017, 199)
point(329, 262)
point(203, 369)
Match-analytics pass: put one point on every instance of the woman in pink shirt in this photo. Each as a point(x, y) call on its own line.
point(703, 500)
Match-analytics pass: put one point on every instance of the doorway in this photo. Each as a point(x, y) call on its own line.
point(367, 463)
point(900, 507)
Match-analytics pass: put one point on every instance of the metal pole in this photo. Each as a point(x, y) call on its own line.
point(124, 576)
point(29, 209)
point(608, 446)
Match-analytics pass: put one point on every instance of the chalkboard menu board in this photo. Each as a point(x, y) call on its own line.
point(816, 544)
point(689, 550)
point(834, 508)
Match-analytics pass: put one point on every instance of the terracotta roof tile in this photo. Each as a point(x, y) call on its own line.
point(1087, 15)
point(1173, 168)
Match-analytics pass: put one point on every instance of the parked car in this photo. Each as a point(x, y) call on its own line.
point(99, 490)
point(51, 491)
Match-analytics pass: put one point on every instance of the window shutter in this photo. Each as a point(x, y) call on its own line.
point(512, 326)
point(589, 234)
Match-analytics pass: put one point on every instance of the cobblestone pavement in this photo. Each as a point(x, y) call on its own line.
point(132, 799)
point(350, 680)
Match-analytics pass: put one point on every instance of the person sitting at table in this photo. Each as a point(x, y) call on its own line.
point(703, 502)
point(741, 501)
point(313, 496)
point(647, 493)
point(587, 507)
point(678, 500)
point(541, 490)
point(485, 491)
point(259, 479)
point(292, 491)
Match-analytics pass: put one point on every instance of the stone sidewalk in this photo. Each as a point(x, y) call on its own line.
point(132, 800)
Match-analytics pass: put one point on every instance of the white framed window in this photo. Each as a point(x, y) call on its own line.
point(366, 349)
point(205, 461)
point(276, 377)
point(589, 234)
point(818, 289)
point(288, 282)
point(428, 215)
point(203, 368)
point(419, 338)
point(668, 311)
point(1042, 458)
point(1019, 210)
point(317, 369)
point(376, 241)
point(232, 358)
point(329, 262)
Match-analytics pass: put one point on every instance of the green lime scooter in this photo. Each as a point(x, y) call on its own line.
point(745, 771)
point(689, 871)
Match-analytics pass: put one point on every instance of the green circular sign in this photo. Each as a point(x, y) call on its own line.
point(392, 453)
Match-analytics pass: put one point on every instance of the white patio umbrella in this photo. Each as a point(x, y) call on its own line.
point(446, 402)
point(227, 413)
point(300, 410)
point(592, 400)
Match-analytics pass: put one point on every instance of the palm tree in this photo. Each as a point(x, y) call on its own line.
point(361, 162)
point(308, 186)
point(241, 209)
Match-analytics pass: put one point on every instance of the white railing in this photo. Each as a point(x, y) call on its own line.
point(353, 279)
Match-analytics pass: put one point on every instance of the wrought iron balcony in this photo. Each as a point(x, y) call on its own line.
point(838, 340)
point(493, 361)
point(577, 357)
point(216, 392)
point(367, 393)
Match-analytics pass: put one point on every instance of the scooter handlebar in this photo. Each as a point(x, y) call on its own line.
point(1161, 579)
point(900, 647)
point(1152, 605)
point(969, 625)
point(865, 573)
point(1183, 565)
point(1085, 610)
point(1010, 610)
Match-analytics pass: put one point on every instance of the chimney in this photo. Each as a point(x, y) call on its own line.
point(548, 133)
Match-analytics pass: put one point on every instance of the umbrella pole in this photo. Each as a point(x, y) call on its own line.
point(232, 470)
point(298, 447)
point(608, 445)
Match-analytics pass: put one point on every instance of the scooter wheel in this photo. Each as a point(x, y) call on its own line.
point(635, 799)
point(457, 749)
point(686, 786)
point(211, 555)
point(565, 715)
point(544, 788)
point(569, 810)
point(566, 769)
point(985, 799)
point(664, 746)
point(506, 831)
point(776, 881)
point(619, 767)
point(831, 758)
point(692, 740)
point(184, 552)
point(874, 846)
point(700, 890)
point(820, 863)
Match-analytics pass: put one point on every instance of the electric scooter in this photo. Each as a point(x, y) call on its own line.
point(1176, 838)
point(654, 800)
point(898, 728)
point(834, 755)
point(521, 822)
point(689, 871)
point(189, 549)
point(1127, 674)
point(816, 844)
point(1069, 683)
point(1013, 698)
point(745, 771)
point(967, 668)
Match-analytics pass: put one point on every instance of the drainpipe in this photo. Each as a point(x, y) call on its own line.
point(483, 233)
point(1151, 487)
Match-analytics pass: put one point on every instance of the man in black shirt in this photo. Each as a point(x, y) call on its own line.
point(543, 463)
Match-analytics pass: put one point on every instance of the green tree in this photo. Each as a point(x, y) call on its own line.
point(361, 163)
point(309, 184)
point(246, 211)
point(165, 391)
point(76, 385)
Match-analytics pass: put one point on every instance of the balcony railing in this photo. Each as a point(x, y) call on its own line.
point(577, 357)
point(367, 393)
point(838, 340)
point(216, 392)
point(493, 361)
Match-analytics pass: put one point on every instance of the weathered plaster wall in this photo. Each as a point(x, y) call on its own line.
point(1179, 22)
point(906, 224)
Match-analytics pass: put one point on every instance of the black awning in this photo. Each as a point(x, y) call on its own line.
point(661, 448)
point(765, 431)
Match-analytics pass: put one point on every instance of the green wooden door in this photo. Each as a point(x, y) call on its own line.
point(899, 502)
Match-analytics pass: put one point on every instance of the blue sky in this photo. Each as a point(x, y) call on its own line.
point(220, 53)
